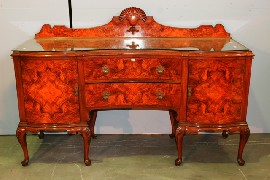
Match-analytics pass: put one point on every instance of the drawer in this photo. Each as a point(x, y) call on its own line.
point(111, 95)
point(133, 69)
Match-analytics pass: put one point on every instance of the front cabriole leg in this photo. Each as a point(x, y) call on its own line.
point(21, 136)
point(86, 134)
point(244, 135)
point(179, 134)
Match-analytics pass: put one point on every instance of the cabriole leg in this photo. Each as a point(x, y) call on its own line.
point(41, 135)
point(180, 132)
point(93, 117)
point(244, 135)
point(225, 134)
point(21, 136)
point(86, 134)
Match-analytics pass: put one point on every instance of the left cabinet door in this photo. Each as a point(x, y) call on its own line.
point(50, 90)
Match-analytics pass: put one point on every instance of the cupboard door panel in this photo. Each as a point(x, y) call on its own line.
point(49, 88)
point(215, 90)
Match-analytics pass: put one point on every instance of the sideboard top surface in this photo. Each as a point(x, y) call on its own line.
point(88, 44)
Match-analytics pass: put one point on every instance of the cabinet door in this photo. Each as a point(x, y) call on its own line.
point(215, 90)
point(50, 91)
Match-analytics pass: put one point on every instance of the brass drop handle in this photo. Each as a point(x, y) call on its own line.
point(159, 95)
point(189, 91)
point(105, 69)
point(106, 95)
point(76, 93)
point(160, 69)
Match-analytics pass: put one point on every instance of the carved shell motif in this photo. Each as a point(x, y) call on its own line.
point(132, 14)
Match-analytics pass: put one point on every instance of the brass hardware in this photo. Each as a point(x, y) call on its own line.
point(105, 69)
point(159, 95)
point(76, 93)
point(160, 69)
point(106, 95)
point(189, 91)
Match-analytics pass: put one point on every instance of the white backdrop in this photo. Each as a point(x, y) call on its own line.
point(248, 21)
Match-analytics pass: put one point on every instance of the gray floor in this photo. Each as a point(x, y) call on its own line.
point(135, 157)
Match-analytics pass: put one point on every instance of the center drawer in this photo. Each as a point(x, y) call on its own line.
point(133, 69)
point(110, 95)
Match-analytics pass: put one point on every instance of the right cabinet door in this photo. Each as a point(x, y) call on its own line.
point(215, 90)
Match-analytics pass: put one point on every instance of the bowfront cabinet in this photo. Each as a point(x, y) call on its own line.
point(65, 76)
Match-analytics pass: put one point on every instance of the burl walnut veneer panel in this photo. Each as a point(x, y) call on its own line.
point(133, 68)
point(215, 90)
point(49, 91)
point(132, 95)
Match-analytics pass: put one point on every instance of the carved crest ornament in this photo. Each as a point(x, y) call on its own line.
point(133, 15)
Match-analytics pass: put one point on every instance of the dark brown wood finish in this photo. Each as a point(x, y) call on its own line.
point(81, 71)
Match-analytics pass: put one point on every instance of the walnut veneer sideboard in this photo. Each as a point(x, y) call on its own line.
point(199, 75)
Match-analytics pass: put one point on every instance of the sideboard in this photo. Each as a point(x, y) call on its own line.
point(64, 76)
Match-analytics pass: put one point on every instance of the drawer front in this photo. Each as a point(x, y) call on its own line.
point(133, 69)
point(132, 94)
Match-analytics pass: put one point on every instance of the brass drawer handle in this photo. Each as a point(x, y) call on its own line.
point(189, 91)
point(105, 69)
point(160, 69)
point(160, 95)
point(76, 93)
point(106, 95)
